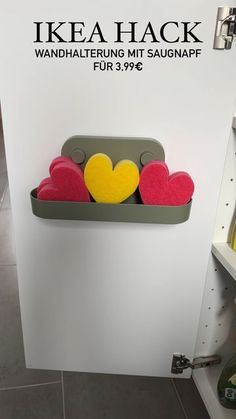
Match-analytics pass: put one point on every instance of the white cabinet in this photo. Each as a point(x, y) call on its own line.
point(217, 329)
point(115, 297)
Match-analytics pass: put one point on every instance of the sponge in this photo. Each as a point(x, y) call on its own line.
point(108, 185)
point(158, 188)
point(65, 184)
point(60, 159)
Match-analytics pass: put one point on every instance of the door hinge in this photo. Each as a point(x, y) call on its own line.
point(181, 363)
point(225, 32)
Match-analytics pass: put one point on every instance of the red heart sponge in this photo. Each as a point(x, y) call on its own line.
point(65, 184)
point(60, 159)
point(157, 187)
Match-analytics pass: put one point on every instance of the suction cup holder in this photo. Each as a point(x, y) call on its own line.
point(140, 151)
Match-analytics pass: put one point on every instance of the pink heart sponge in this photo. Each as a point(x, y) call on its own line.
point(66, 182)
point(157, 187)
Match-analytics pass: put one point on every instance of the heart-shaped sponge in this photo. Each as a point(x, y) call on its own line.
point(108, 185)
point(65, 184)
point(158, 188)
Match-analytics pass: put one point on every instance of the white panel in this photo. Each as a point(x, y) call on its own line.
point(217, 334)
point(217, 331)
point(217, 328)
point(108, 297)
point(226, 207)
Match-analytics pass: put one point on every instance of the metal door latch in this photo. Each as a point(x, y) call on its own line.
point(181, 363)
point(225, 32)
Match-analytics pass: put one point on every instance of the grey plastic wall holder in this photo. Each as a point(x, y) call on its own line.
point(139, 150)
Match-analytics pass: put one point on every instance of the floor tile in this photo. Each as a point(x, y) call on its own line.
point(6, 204)
point(42, 402)
point(3, 185)
point(7, 251)
point(3, 166)
point(12, 364)
point(191, 399)
point(99, 396)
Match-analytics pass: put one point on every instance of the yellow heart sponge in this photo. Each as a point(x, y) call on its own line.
point(233, 379)
point(108, 185)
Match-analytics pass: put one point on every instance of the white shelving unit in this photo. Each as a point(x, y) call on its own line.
point(226, 256)
point(217, 334)
point(206, 384)
point(217, 328)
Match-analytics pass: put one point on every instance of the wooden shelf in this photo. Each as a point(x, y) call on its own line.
point(226, 256)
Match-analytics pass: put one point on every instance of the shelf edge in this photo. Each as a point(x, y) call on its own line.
point(226, 256)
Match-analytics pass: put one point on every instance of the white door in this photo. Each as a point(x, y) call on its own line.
point(113, 297)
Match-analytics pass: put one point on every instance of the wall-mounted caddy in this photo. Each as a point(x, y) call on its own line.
point(141, 151)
